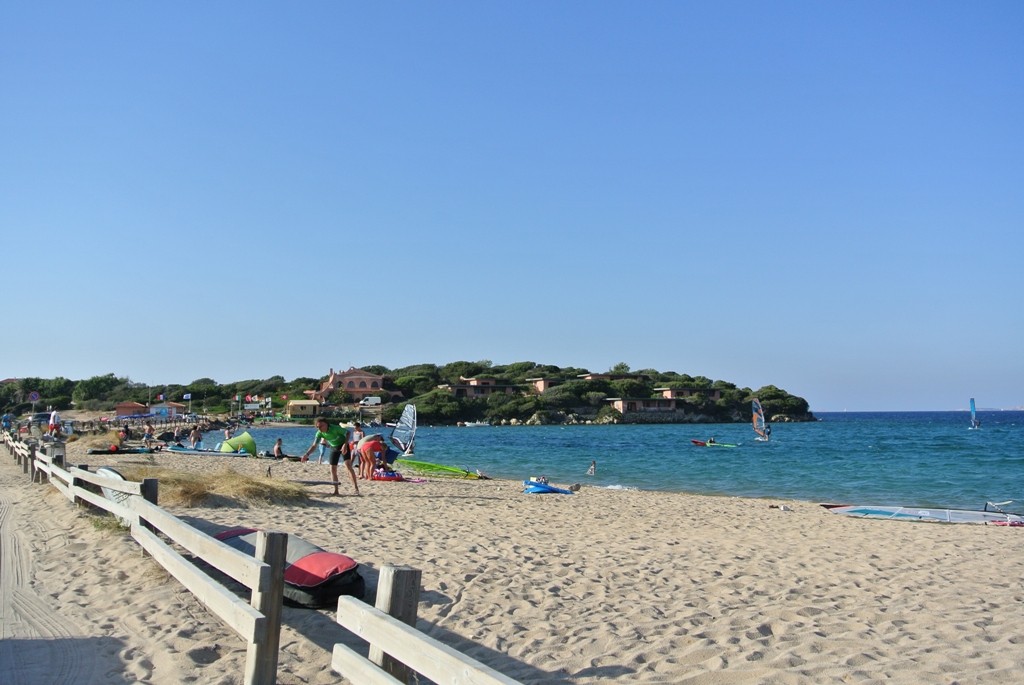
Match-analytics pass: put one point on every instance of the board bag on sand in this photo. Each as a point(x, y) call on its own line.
point(313, 577)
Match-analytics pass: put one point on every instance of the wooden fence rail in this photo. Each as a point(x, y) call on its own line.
point(258, 622)
point(396, 647)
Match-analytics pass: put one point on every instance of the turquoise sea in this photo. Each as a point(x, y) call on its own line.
point(912, 458)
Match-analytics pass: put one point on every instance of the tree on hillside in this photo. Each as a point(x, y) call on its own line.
point(97, 388)
point(629, 387)
point(410, 386)
point(451, 373)
point(438, 406)
point(776, 401)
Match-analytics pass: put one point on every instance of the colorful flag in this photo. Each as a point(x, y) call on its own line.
point(187, 396)
point(160, 397)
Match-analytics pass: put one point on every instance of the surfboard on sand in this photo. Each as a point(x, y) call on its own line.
point(114, 495)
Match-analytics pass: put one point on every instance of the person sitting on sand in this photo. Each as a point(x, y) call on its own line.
point(279, 450)
point(337, 437)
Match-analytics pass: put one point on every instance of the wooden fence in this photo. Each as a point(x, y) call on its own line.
point(258, 622)
point(396, 648)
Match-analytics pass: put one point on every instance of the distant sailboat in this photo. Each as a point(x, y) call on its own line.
point(975, 423)
point(762, 431)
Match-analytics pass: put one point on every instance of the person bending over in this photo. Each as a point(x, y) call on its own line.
point(337, 439)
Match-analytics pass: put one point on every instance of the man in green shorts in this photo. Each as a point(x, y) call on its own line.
point(337, 438)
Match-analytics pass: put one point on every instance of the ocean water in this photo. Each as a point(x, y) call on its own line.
point(914, 458)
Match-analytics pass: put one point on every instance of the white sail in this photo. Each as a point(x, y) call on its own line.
point(403, 435)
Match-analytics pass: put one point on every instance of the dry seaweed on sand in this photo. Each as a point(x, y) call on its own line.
point(224, 488)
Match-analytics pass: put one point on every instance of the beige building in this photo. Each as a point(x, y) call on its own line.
point(356, 382)
point(297, 409)
point(471, 388)
point(712, 394)
point(645, 405)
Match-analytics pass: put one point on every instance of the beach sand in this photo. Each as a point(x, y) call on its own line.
point(601, 586)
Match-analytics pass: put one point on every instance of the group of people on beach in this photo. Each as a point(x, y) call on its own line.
point(345, 446)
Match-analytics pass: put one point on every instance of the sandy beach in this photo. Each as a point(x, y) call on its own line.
point(601, 586)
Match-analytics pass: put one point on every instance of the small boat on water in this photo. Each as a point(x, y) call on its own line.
point(711, 443)
point(993, 514)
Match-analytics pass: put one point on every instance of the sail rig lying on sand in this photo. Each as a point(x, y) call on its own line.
point(403, 437)
point(992, 514)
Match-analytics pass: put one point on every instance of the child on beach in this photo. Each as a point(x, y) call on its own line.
point(195, 438)
point(337, 437)
point(354, 436)
point(148, 434)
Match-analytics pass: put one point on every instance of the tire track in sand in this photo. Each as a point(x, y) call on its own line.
point(31, 631)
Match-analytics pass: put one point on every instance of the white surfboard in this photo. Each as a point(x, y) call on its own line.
point(114, 495)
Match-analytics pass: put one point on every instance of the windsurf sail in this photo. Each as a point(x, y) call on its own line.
point(758, 418)
point(430, 469)
point(975, 423)
point(997, 517)
point(403, 435)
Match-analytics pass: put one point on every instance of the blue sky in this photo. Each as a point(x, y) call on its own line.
point(823, 196)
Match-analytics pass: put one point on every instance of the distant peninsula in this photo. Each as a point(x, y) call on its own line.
point(521, 393)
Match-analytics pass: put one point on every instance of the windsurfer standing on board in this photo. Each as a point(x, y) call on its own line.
point(767, 433)
point(337, 437)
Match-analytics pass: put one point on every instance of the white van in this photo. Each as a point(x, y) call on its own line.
point(369, 402)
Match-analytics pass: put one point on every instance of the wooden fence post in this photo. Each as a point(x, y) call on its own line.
point(261, 657)
point(398, 595)
point(74, 483)
point(150, 493)
point(30, 464)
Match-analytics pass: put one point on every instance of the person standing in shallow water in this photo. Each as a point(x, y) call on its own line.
point(337, 439)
